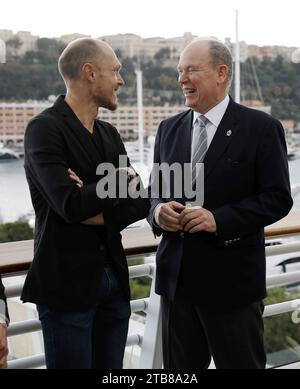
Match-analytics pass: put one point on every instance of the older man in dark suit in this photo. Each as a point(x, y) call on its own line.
point(211, 260)
point(79, 274)
point(3, 328)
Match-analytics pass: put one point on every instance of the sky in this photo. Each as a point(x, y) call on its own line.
point(262, 22)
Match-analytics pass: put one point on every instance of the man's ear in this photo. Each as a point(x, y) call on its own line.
point(88, 72)
point(222, 74)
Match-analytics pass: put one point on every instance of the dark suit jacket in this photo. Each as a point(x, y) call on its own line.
point(3, 297)
point(246, 187)
point(68, 255)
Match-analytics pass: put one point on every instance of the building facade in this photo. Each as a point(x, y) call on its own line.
point(14, 118)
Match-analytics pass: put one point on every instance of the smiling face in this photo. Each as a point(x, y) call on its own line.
point(107, 81)
point(202, 85)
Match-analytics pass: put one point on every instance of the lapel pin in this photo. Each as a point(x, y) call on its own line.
point(228, 133)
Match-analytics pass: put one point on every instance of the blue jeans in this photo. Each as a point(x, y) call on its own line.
point(93, 339)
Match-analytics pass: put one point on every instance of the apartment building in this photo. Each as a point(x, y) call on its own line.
point(67, 38)
point(26, 39)
point(15, 116)
point(125, 119)
point(132, 45)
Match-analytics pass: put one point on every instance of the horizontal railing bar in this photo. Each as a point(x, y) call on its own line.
point(140, 270)
point(13, 290)
point(27, 326)
point(295, 365)
point(279, 237)
point(17, 256)
point(39, 360)
point(139, 305)
point(23, 327)
point(283, 279)
point(14, 274)
point(134, 272)
point(285, 231)
point(285, 248)
point(277, 309)
point(134, 340)
point(27, 362)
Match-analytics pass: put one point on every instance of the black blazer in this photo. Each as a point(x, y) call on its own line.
point(246, 187)
point(68, 255)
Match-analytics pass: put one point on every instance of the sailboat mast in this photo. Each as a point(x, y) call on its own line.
point(138, 73)
point(237, 82)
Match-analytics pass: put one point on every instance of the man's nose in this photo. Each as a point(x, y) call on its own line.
point(182, 78)
point(120, 80)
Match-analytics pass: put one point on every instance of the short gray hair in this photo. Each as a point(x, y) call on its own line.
point(219, 54)
point(76, 54)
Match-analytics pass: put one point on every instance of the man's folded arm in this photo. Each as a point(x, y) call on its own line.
point(128, 210)
point(47, 168)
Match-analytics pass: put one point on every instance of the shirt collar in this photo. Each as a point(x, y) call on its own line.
point(215, 114)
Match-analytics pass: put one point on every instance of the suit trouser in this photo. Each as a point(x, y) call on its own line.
point(192, 334)
point(91, 339)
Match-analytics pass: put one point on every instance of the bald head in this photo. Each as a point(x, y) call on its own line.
point(79, 52)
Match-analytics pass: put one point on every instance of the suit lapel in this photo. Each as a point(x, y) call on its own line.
point(224, 135)
point(77, 129)
point(183, 141)
point(108, 147)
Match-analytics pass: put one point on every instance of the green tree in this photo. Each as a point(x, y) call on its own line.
point(162, 55)
point(282, 335)
point(12, 232)
point(13, 46)
point(139, 287)
point(35, 76)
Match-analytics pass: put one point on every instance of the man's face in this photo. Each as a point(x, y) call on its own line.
point(108, 82)
point(197, 79)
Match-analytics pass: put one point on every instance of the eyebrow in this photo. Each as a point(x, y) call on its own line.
point(187, 67)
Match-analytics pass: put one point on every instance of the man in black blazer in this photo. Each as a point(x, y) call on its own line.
point(3, 327)
point(211, 260)
point(79, 274)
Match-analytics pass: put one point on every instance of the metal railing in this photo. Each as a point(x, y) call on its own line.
point(150, 341)
point(140, 305)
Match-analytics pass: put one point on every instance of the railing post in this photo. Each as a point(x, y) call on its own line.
point(151, 348)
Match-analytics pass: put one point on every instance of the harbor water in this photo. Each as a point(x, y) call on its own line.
point(15, 198)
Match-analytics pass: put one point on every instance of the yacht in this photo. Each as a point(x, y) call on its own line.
point(291, 154)
point(7, 153)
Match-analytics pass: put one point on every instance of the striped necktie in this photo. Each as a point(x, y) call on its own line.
point(199, 144)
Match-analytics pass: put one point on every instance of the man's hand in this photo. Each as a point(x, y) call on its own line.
point(129, 171)
point(75, 178)
point(3, 346)
point(197, 219)
point(168, 216)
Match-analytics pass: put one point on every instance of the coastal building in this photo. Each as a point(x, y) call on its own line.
point(15, 116)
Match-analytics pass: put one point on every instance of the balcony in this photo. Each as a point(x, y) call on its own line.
point(144, 340)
